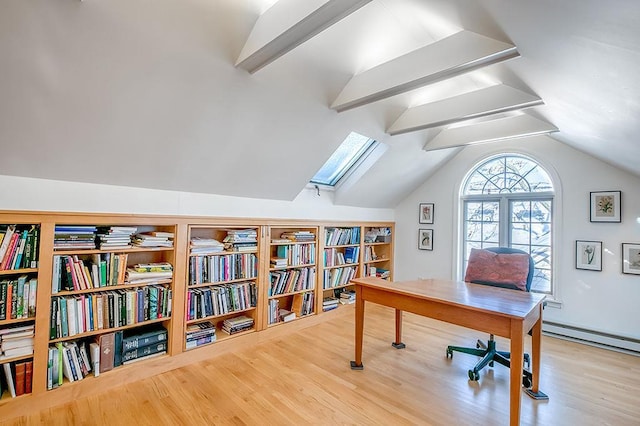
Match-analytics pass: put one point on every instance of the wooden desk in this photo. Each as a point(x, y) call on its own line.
point(498, 311)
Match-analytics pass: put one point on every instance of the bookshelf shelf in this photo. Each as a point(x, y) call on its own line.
point(344, 265)
point(239, 280)
point(16, 321)
point(18, 271)
point(220, 316)
point(290, 293)
point(16, 358)
point(112, 287)
point(122, 250)
point(108, 330)
point(283, 268)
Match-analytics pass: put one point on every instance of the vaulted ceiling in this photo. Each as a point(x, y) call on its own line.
point(250, 97)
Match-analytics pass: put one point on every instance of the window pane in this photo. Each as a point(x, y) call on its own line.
point(541, 234)
point(520, 211)
point(347, 154)
point(520, 235)
point(541, 211)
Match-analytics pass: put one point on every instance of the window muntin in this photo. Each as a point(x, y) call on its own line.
point(350, 152)
point(508, 201)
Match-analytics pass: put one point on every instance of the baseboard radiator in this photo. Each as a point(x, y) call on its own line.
point(594, 338)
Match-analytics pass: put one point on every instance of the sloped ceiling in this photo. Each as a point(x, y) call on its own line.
point(147, 93)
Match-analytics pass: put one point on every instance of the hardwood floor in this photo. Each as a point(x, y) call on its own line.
point(304, 378)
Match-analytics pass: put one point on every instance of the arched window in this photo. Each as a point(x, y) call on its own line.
point(508, 201)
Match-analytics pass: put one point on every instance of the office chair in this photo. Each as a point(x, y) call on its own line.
point(520, 270)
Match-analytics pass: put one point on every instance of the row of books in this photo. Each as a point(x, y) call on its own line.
point(220, 300)
point(237, 324)
point(16, 341)
point(149, 273)
point(298, 254)
point(378, 235)
point(75, 360)
point(213, 269)
point(370, 253)
point(200, 334)
point(80, 273)
point(302, 304)
point(19, 246)
point(342, 236)
point(72, 315)
point(78, 237)
point(338, 276)
point(292, 280)
point(18, 298)
point(18, 378)
point(334, 257)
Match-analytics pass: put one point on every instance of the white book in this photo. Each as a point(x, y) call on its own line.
point(72, 321)
point(55, 280)
point(9, 377)
point(94, 351)
point(5, 241)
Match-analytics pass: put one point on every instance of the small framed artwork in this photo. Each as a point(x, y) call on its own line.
point(605, 206)
point(425, 239)
point(589, 255)
point(631, 258)
point(426, 213)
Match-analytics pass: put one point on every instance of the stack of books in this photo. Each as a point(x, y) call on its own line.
point(278, 262)
point(144, 345)
point(152, 239)
point(348, 297)
point(115, 237)
point(70, 237)
point(298, 236)
point(241, 240)
point(286, 315)
point(329, 303)
point(237, 324)
point(149, 273)
point(200, 334)
point(16, 341)
point(203, 246)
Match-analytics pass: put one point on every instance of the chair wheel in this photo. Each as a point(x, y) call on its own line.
point(449, 353)
point(473, 376)
point(526, 381)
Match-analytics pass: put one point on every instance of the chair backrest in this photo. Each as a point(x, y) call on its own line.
point(509, 250)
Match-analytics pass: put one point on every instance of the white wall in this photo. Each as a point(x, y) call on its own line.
point(17, 193)
point(604, 301)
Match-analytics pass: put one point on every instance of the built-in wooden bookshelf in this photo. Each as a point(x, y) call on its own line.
point(223, 291)
point(109, 284)
point(19, 253)
point(305, 300)
point(377, 254)
point(291, 290)
point(340, 263)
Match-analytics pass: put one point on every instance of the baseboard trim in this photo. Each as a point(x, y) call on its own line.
point(594, 338)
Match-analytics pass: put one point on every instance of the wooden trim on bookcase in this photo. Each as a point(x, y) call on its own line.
point(43, 306)
point(178, 295)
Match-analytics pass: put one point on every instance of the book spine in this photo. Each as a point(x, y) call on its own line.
point(144, 351)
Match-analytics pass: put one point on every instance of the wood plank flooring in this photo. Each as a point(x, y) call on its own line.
point(304, 379)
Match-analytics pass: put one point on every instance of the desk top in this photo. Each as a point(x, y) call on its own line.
point(500, 301)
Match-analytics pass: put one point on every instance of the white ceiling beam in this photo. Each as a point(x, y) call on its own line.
point(452, 56)
point(289, 23)
point(480, 103)
point(513, 127)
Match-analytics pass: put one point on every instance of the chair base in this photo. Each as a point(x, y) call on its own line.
point(489, 355)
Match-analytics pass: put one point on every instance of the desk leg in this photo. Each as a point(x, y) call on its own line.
point(398, 342)
point(536, 343)
point(515, 379)
point(357, 364)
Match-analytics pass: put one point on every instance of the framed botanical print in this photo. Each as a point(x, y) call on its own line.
point(631, 258)
point(426, 213)
point(605, 206)
point(589, 255)
point(425, 239)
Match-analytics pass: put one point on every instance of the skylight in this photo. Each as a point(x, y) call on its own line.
point(352, 150)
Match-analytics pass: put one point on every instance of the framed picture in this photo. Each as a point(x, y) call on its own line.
point(426, 213)
point(631, 258)
point(589, 255)
point(425, 239)
point(605, 206)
